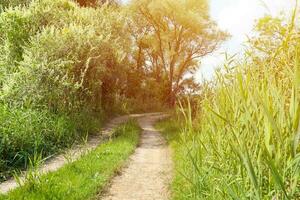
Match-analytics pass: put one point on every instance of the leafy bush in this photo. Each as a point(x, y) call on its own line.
point(12, 3)
point(61, 73)
point(55, 57)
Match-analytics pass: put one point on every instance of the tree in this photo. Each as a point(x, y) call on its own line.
point(84, 68)
point(96, 2)
point(170, 37)
point(7, 3)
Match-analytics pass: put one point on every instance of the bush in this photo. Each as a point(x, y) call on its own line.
point(54, 59)
point(12, 3)
point(61, 73)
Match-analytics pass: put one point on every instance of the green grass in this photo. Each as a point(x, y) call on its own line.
point(86, 177)
point(244, 141)
point(25, 132)
point(180, 187)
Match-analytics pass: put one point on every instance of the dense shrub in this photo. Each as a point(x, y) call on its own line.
point(55, 57)
point(61, 73)
point(12, 3)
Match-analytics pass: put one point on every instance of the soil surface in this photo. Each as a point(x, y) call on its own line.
point(148, 173)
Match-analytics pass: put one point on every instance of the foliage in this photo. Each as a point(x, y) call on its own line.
point(64, 73)
point(54, 56)
point(103, 53)
point(94, 3)
point(12, 3)
point(170, 37)
point(66, 64)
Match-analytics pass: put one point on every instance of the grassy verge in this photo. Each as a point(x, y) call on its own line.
point(85, 177)
point(26, 132)
point(181, 187)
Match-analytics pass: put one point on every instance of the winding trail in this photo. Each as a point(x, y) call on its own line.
point(58, 161)
point(149, 170)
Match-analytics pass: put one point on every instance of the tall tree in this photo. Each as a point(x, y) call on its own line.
point(7, 3)
point(92, 3)
point(171, 37)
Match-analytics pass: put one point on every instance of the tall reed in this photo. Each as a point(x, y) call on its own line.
point(245, 140)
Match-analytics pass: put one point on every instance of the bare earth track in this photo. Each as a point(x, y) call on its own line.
point(72, 154)
point(148, 173)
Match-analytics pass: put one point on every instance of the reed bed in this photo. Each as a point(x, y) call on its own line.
point(244, 142)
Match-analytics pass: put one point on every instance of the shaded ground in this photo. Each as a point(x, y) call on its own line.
point(148, 173)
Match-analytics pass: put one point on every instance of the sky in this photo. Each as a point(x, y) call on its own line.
point(238, 18)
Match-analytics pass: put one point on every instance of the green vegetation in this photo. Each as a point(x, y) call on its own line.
point(180, 187)
point(170, 37)
point(46, 49)
point(27, 132)
point(13, 3)
point(243, 142)
point(67, 65)
point(86, 177)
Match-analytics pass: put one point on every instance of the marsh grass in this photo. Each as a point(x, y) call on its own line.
point(244, 142)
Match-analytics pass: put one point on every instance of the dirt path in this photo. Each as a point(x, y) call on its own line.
point(148, 173)
point(73, 154)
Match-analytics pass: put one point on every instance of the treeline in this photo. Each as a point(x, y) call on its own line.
point(65, 65)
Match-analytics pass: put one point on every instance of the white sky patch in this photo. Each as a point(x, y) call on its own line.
point(238, 17)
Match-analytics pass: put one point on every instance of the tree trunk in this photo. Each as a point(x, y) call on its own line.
point(171, 99)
